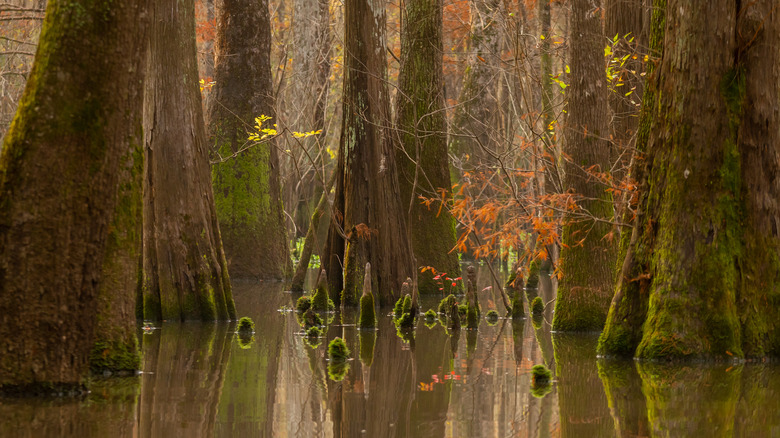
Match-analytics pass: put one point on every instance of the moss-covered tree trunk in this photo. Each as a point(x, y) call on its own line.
point(115, 347)
point(587, 256)
point(423, 163)
point(63, 161)
point(367, 200)
point(185, 273)
point(246, 183)
point(700, 278)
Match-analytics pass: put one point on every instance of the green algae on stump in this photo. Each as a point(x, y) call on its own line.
point(540, 376)
point(537, 306)
point(337, 350)
point(246, 325)
point(492, 317)
point(303, 304)
point(446, 303)
point(533, 275)
point(367, 311)
point(320, 301)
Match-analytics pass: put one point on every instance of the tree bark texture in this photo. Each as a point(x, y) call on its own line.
point(307, 98)
point(551, 174)
point(475, 118)
point(423, 163)
point(310, 241)
point(246, 186)
point(700, 278)
point(66, 155)
point(185, 273)
point(587, 257)
point(115, 347)
point(367, 200)
point(626, 19)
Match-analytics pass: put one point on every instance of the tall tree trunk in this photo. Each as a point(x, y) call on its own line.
point(64, 159)
point(306, 101)
point(423, 163)
point(626, 20)
point(116, 341)
point(367, 200)
point(550, 153)
point(587, 256)
point(185, 273)
point(246, 183)
point(473, 132)
point(701, 275)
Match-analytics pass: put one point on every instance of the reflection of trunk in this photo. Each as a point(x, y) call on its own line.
point(108, 411)
point(582, 404)
point(184, 266)
point(625, 398)
point(69, 153)
point(367, 201)
point(246, 186)
point(183, 362)
point(422, 158)
point(759, 402)
point(429, 408)
point(671, 391)
point(588, 256)
point(247, 404)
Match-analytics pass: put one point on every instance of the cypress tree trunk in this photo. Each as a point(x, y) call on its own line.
point(67, 152)
point(550, 152)
point(587, 256)
point(185, 273)
point(622, 18)
point(475, 117)
point(703, 258)
point(246, 186)
point(367, 200)
point(422, 159)
point(307, 97)
point(116, 341)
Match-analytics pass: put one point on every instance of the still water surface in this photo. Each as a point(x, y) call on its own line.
point(198, 380)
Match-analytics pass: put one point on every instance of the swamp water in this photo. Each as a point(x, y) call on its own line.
point(199, 380)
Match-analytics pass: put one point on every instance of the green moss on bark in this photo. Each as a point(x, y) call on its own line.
point(115, 356)
point(367, 311)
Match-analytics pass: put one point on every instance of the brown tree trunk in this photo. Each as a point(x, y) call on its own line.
point(422, 159)
point(307, 93)
point(587, 256)
point(246, 181)
point(700, 279)
point(473, 134)
point(367, 200)
point(115, 347)
point(310, 241)
point(67, 152)
point(185, 273)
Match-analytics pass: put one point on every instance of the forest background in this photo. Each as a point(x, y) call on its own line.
point(539, 139)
